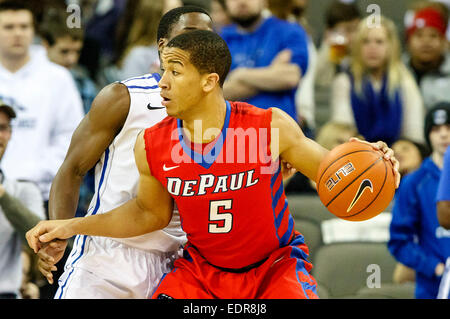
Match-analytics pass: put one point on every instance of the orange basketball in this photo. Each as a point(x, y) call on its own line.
point(355, 182)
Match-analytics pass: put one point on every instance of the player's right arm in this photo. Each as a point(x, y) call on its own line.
point(150, 210)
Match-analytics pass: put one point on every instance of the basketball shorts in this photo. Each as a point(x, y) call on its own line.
point(101, 268)
point(285, 274)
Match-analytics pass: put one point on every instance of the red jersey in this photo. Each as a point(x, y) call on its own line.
point(229, 193)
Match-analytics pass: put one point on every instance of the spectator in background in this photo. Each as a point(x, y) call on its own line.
point(21, 207)
point(341, 21)
point(416, 239)
point(304, 97)
point(269, 56)
point(140, 52)
point(428, 57)
point(378, 94)
point(44, 96)
point(410, 156)
point(64, 46)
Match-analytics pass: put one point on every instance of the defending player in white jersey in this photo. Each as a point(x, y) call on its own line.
point(100, 267)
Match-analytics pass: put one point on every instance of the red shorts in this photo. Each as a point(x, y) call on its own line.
point(283, 275)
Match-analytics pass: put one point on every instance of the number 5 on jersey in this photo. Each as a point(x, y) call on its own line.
point(215, 216)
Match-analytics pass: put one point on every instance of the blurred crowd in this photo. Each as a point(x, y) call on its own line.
point(359, 77)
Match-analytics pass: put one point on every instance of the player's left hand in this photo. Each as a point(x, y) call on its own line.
point(388, 155)
point(48, 230)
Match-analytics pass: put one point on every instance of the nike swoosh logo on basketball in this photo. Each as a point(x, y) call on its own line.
point(362, 187)
point(150, 107)
point(165, 168)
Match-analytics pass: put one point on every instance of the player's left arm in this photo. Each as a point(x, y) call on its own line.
point(150, 210)
point(290, 144)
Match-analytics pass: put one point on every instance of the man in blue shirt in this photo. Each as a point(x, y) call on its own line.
point(416, 238)
point(269, 56)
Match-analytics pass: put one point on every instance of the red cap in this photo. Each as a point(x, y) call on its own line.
point(428, 17)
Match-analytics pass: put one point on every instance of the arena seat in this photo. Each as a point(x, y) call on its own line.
point(308, 206)
point(344, 269)
point(310, 229)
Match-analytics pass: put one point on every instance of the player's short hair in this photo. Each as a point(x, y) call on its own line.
point(208, 52)
point(171, 17)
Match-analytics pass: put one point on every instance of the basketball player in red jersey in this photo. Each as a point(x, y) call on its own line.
point(241, 237)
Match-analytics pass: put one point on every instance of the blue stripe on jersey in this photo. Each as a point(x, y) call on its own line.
point(208, 159)
point(272, 183)
point(143, 87)
point(287, 235)
point(145, 77)
point(97, 205)
point(300, 255)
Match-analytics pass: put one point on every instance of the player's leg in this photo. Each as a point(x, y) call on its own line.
point(287, 274)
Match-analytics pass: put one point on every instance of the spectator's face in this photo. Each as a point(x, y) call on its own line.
point(426, 45)
point(5, 132)
point(408, 155)
point(375, 48)
point(440, 138)
point(65, 51)
point(16, 33)
point(244, 12)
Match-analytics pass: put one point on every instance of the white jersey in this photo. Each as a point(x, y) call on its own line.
point(116, 174)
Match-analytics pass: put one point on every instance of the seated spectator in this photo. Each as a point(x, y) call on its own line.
point(269, 57)
point(341, 22)
point(427, 54)
point(21, 207)
point(304, 97)
point(140, 51)
point(378, 95)
point(416, 238)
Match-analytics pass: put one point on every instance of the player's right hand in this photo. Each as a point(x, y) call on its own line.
point(48, 230)
point(49, 255)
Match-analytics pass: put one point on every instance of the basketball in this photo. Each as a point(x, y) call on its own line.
point(355, 182)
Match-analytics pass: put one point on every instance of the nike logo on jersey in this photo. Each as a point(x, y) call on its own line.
point(362, 187)
point(166, 169)
point(150, 107)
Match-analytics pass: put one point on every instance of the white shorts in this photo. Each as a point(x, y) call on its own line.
point(101, 268)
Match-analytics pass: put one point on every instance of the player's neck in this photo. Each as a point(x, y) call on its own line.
point(14, 63)
point(205, 124)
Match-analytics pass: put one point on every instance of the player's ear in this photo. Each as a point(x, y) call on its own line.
point(210, 81)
